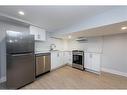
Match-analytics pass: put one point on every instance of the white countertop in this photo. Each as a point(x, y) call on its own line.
point(48, 51)
point(92, 52)
point(37, 52)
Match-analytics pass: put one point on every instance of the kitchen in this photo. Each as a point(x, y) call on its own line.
point(87, 50)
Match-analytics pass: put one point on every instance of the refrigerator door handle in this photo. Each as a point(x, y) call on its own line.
point(21, 54)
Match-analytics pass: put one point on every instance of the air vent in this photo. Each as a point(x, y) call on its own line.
point(82, 39)
point(56, 38)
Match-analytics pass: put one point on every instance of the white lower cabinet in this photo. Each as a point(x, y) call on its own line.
point(92, 61)
point(56, 59)
point(60, 58)
point(67, 57)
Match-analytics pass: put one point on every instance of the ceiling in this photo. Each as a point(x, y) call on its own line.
point(53, 18)
point(99, 31)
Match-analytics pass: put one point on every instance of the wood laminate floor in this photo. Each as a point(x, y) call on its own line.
point(71, 78)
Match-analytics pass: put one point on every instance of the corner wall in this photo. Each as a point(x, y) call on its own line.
point(113, 49)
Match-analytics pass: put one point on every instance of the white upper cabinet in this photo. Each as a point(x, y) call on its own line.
point(39, 34)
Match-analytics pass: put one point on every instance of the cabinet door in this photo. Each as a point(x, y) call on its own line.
point(88, 61)
point(70, 57)
point(92, 61)
point(39, 65)
point(54, 60)
point(67, 57)
point(60, 59)
point(64, 58)
point(33, 31)
point(40, 34)
point(96, 62)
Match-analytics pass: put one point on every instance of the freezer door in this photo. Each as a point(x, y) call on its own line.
point(17, 42)
point(20, 70)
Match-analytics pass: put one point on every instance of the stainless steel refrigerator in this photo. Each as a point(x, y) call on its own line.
point(20, 59)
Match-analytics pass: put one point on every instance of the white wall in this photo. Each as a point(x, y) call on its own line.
point(94, 44)
point(115, 53)
point(3, 27)
point(113, 49)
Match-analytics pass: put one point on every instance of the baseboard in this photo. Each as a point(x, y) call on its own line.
point(114, 72)
point(58, 67)
point(69, 64)
point(96, 72)
point(3, 79)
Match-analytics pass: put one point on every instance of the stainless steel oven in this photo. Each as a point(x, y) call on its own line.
point(78, 59)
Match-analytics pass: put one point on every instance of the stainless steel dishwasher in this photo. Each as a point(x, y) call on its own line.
point(43, 63)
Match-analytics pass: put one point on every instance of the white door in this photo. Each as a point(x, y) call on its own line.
point(54, 60)
point(88, 61)
point(69, 61)
point(67, 57)
point(40, 34)
point(64, 60)
point(60, 58)
point(33, 31)
point(92, 61)
point(96, 62)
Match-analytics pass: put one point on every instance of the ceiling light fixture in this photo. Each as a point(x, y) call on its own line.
point(123, 28)
point(21, 12)
point(69, 37)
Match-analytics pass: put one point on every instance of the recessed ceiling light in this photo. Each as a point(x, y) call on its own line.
point(69, 37)
point(123, 28)
point(21, 12)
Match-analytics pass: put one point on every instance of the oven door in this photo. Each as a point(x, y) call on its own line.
point(78, 59)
